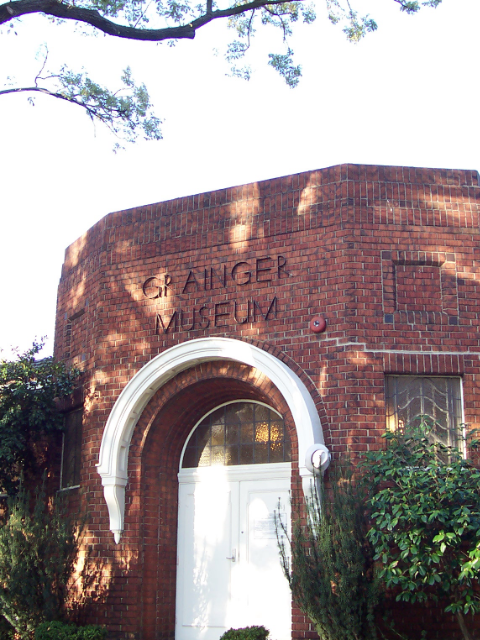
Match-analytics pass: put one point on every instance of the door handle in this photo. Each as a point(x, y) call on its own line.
point(233, 557)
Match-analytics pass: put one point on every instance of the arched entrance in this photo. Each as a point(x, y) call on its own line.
point(234, 483)
point(113, 459)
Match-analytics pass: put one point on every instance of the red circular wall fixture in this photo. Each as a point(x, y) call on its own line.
point(318, 324)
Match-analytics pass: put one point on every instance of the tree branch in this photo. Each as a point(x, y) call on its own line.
point(57, 9)
point(47, 92)
point(93, 113)
point(127, 116)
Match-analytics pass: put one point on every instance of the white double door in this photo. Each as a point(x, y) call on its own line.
point(229, 573)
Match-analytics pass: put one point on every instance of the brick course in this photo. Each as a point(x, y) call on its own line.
point(388, 255)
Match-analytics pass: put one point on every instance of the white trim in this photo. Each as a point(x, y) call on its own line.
point(362, 346)
point(236, 473)
point(74, 486)
point(113, 458)
point(61, 459)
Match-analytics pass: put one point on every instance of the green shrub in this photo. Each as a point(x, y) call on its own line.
point(61, 631)
point(29, 413)
point(331, 572)
point(38, 547)
point(6, 629)
point(247, 633)
point(424, 499)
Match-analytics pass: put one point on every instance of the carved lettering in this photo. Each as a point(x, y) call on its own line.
point(149, 284)
point(155, 284)
point(204, 322)
point(221, 278)
point(167, 279)
point(192, 326)
point(220, 314)
point(159, 323)
point(265, 269)
point(273, 305)
point(190, 280)
point(235, 313)
point(246, 274)
point(259, 270)
point(281, 262)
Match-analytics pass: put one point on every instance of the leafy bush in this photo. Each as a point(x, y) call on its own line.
point(247, 633)
point(6, 629)
point(332, 578)
point(61, 631)
point(425, 520)
point(37, 553)
point(28, 413)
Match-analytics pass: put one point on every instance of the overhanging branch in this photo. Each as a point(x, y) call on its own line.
point(18, 8)
point(91, 112)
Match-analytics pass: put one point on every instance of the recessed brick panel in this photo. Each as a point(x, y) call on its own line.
point(418, 288)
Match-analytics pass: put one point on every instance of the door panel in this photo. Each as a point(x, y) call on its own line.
point(229, 572)
point(204, 573)
point(265, 590)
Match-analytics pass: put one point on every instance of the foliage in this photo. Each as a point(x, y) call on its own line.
point(28, 389)
point(128, 112)
point(61, 631)
point(332, 579)
point(247, 633)
point(6, 630)
point(38, 548)
point(425, 520)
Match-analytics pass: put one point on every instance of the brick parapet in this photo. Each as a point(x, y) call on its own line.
point(316, 199)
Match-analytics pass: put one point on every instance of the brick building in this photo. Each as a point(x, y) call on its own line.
point(209, 375)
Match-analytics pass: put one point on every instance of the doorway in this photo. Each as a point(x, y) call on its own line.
point(228, 564)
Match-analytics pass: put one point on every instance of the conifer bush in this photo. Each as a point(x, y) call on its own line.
point(331, 569)
point(38, 547)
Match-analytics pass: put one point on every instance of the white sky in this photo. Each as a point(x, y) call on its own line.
point(407, 95)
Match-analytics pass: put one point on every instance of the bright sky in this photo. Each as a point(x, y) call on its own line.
point(407, 95)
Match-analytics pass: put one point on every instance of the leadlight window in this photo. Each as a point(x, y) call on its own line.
point(238, 433)
point(71, 450)
point(439, 399)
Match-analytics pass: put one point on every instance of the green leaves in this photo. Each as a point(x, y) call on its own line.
point(424, 501)
point(331, 573)
point(28, 390)
point(62, 631)
point(355, 26)
point(37, 550)
point(127, 112)
point(412, 6)
point(283, 63)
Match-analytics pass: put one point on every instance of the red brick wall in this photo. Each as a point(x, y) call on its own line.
point(388, 255)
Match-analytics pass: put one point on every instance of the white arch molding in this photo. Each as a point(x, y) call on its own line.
point(313, 456)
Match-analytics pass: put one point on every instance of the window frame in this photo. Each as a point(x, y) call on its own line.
point(216, 408)
point(78, 454)
point(453, 415)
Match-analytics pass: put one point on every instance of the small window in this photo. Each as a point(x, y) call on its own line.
point(439, 399)
point(238, 433)
point(71, 450)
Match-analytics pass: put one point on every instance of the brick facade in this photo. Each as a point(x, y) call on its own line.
point(387, 255)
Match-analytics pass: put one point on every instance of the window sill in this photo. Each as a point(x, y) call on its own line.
point(75, 486)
